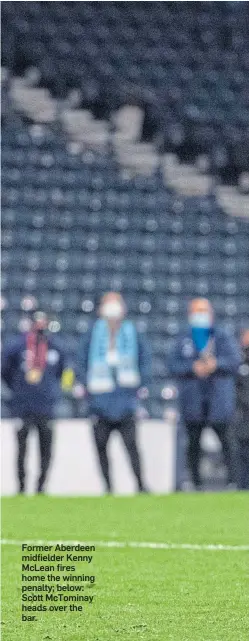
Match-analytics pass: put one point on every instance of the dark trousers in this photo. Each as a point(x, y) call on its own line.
point(243, 463)
point(43, 426)
point(102, 430)
point(194, 431)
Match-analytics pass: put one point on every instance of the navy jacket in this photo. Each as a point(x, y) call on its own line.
point(242, 409)
point(212, 399)
point(28, 399)
point(122, 401)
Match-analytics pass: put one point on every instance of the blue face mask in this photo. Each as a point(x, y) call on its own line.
point(201, 325)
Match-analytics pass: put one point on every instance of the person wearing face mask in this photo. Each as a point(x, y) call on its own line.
point(33, 366)
point(242, 414)
point(205, 362)
point(114, 365)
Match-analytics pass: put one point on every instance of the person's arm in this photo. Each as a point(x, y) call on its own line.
point(144, 360)
point(8, 365)
point(230, 358)
point(179, 365)
point(242, 390)
point(82, 358)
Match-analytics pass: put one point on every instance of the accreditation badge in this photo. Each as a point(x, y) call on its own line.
point(33, 376)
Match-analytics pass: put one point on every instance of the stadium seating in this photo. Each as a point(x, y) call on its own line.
point(185, 63)
point(74, 227)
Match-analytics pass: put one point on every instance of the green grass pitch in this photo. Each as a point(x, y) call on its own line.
point(140, 593)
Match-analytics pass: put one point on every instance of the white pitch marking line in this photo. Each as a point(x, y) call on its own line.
point(136, 544)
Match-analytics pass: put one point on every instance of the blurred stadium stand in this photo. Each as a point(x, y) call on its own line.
point(91, 199)
point(186, 64)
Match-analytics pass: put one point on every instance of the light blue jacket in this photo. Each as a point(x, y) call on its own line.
point(122, 401)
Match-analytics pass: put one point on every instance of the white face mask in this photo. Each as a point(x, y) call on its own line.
point(200, 319)
point(113, 310)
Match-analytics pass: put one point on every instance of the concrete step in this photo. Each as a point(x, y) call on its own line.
point(73, 118)
point(81, 126)
point(233, 202)
point(36, 102)
point(193, 186)
point(138, 156)
point(129, 147)
point(128, 122)
point(170, 160)
point(91, 139)
point(184, 178)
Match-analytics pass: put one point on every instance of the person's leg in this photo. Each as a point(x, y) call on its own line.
point(244, 464)
point(194, 431)
point(101, 431)
point(45, 441)
point(127, 429)
point(222, 431)
point(239, 464)
point(22, 435)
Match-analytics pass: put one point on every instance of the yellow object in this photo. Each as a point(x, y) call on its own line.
point(67, 380)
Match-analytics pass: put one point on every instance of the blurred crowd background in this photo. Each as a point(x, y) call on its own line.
point(125, 167)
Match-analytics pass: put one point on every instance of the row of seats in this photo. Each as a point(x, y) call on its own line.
point(138, 299)
point(92, 262)
point(108, 205)
point(90, 226)
point(125, 243)
point(111, 204)
point(157, 327)
point(65, 158)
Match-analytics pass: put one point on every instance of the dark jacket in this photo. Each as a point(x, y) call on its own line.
point(242, 409)
point(212, 399)
point(122, 401)
point(36, 399)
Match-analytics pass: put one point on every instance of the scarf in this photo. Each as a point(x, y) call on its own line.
point(36, 357)
point(102, 377)
point(201, 336)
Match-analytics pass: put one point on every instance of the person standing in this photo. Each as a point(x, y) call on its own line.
point(242, 414)
point(205, 362)
point(114, 365)
point(33, 366)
